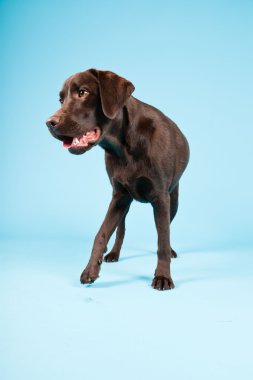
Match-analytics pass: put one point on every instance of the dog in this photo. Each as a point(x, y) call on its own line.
point(145, 156)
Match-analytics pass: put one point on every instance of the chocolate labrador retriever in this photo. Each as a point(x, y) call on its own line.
point(145, 156)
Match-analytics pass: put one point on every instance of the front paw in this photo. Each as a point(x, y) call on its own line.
point(162, 283)
point(90, 273)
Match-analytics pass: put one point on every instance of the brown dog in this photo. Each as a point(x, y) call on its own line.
point(145, 155)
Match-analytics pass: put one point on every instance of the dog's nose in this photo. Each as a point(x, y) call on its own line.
point(52, 122)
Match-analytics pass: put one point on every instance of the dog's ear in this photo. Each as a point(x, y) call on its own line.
point(114, 91)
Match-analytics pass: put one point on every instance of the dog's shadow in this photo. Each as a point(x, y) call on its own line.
point(132, 279)
point(147, 279)
point(110, 284)
point(136, 278)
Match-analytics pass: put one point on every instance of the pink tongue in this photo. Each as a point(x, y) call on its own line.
point(67, 144)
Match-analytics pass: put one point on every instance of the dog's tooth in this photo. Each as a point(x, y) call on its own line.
point(76, 141)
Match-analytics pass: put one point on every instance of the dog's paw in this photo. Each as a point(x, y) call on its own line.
point(162, 283)
point(111, 257)
point(90, 273)
point(173, 253)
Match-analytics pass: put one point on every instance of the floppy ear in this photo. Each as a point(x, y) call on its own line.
point(114, 92)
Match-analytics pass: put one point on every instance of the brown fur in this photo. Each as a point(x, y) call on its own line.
point(145, 155)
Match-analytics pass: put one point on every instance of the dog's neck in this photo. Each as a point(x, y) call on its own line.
point(114, 134)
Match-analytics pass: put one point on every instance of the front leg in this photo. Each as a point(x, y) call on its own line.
point(161, 207)
point(117, 209)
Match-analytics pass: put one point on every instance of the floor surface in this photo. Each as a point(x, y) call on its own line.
point(52, 327)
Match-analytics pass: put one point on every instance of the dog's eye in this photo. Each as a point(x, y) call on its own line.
point(83, 92)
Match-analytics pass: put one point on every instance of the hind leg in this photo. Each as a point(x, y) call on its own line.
point(113, 255)
point(173, 210)
point(161, 207)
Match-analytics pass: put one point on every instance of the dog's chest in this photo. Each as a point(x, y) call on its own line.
point(136, 183)
point(140, 188)
point(132, 178)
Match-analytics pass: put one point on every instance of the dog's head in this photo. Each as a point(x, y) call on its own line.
point(89, 100)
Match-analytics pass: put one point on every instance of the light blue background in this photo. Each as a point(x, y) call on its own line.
point(193, 60)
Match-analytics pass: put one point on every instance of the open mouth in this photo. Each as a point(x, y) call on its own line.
point(83, 141)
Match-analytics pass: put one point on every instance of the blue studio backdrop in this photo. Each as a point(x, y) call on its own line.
point(192, 60)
